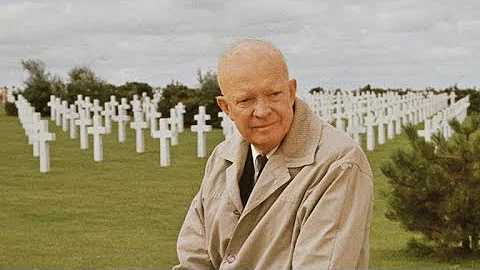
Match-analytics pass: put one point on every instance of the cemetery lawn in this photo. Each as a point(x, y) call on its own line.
point(126, 211)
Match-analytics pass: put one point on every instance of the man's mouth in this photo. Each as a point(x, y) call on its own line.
point(265, 126)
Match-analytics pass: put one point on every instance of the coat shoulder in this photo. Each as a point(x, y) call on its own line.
point(340, 149)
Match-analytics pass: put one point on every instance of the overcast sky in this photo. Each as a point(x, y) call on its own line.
point(332, 44)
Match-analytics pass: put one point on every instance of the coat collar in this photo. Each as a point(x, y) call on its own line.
point(298, 147)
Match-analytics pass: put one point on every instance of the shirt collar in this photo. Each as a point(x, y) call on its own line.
point(255, 152)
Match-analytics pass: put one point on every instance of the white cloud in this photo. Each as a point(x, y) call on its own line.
point(327, 43)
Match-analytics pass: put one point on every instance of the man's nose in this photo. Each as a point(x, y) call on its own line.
point(262, 108)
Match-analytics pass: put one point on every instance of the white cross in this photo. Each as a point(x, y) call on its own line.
point(427, 131)
point(201, 128)
point(113, 104)
point(97, 131)
point(124, 104)
point(43, 137)
point(136, 103)
point(452, 97)
point(83, 122)
point(156, 97)
point(180, 108)
point(147, 106)
point(79, 102)
point(58, 110)
point(52, 106)
point(228, 126)
point(398, 116)
point(369, 123)
point(65, 116)
point(152, 116)
point(96, 108)
point(122, 119)
point(382, 120)
point(173, 126)
point(355, 129)
point(26, 119)
point(164, 134)
point(339, 117)
point(390, 126)
point(34, 129)
point(73, 115)
point(445, 127)
point(108, 112)
point(87, 105)
point(138, 124)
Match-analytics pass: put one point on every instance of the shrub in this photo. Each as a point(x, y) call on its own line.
point(10, 109)
point(436, 188)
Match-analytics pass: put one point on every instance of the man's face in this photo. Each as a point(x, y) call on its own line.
point(260, 102)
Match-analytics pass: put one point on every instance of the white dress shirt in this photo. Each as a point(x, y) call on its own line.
point(255, 154)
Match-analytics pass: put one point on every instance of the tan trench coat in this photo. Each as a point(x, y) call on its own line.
point(310, 208)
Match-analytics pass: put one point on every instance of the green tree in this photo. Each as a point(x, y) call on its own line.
point(436, 188)
point(59, 89)
point(82, 80)
point(474, 98)
point(38, 85)
point(174, 93)
point(129, 89)
point(208, 91)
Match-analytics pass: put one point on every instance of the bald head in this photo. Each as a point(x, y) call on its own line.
point(250, 57)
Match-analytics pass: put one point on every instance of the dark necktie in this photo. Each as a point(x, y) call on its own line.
point(247, 179)
point(261, 161)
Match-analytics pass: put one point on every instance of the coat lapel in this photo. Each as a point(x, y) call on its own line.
point(235, 151)
point(274, 175)
point(232, 175)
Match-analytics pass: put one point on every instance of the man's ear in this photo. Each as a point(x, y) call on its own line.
point(292, 88)
point(223, 104)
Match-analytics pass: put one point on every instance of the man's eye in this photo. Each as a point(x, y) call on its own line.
point(275, 95)
point(243, 100)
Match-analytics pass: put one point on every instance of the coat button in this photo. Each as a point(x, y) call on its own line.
point(231, 258)
point(236, 212)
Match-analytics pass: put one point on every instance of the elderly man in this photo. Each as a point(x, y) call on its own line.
point(291, 192)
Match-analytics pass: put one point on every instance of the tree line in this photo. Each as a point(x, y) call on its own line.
point(40, 84)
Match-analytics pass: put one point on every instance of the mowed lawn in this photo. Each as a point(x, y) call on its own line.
point(126, 211)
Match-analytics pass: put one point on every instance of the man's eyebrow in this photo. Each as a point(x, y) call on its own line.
point(241, 96)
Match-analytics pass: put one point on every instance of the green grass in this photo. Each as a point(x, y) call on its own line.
point(126, 211)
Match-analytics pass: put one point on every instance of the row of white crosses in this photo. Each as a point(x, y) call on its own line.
point(361, 113)
point(37, 131)
point(168, 133)
point(439, 121)
point(144, 115)
point(84, 121)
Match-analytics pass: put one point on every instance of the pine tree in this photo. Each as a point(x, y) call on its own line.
point(436, 187)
